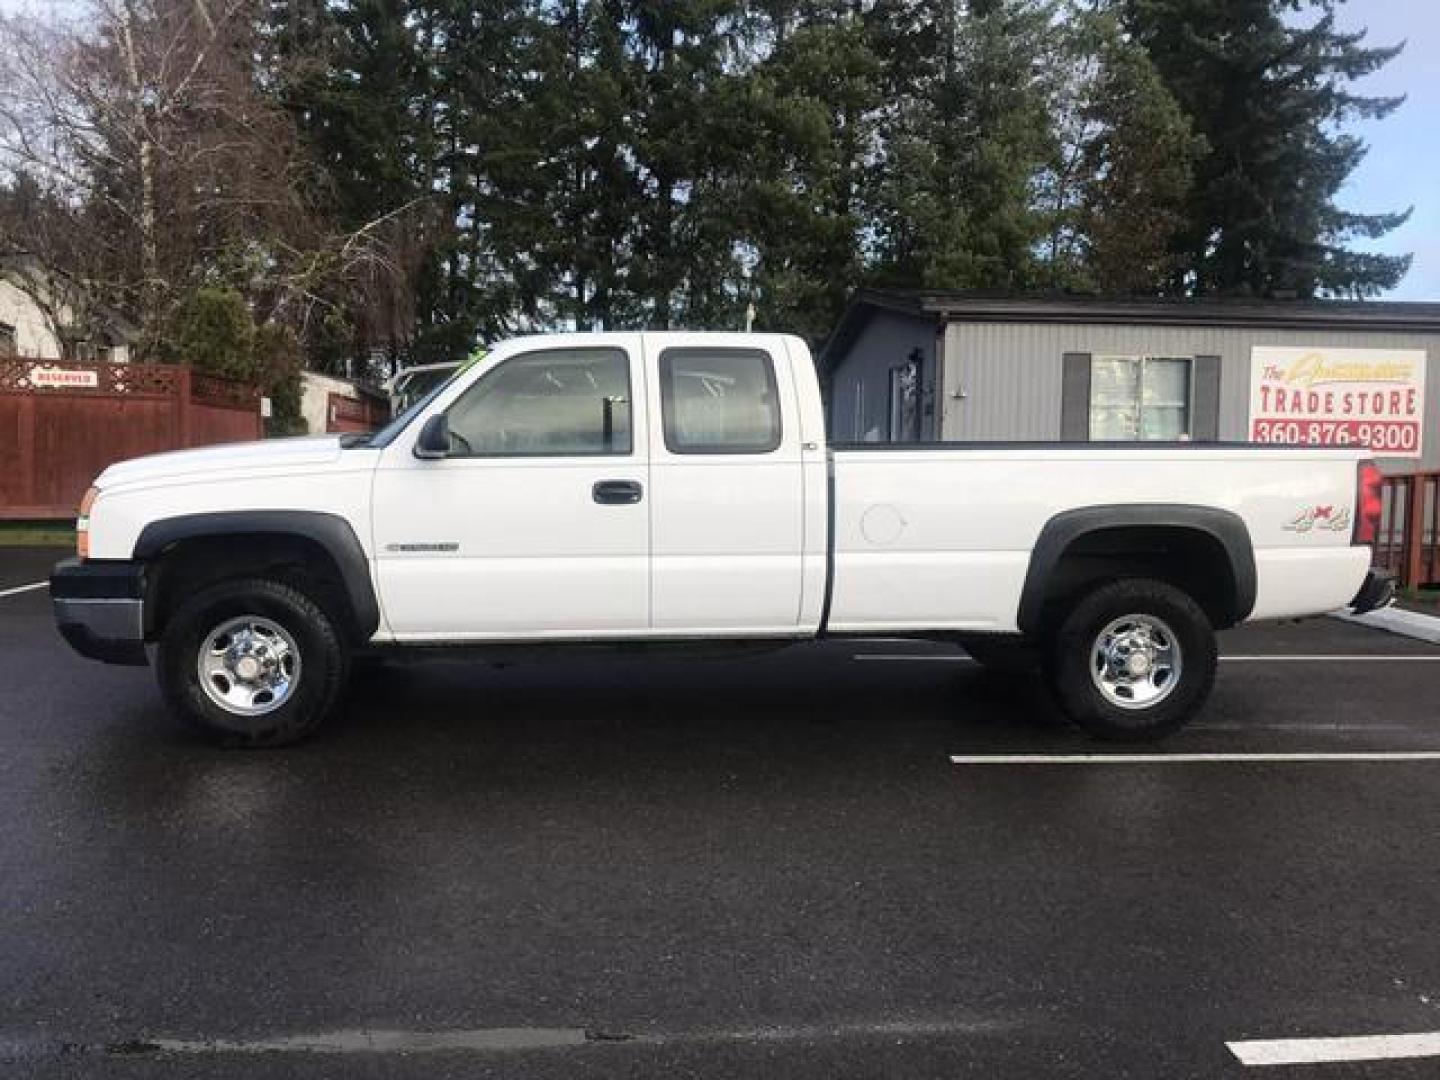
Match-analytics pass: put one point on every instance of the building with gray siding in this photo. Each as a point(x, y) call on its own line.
point(941, 366)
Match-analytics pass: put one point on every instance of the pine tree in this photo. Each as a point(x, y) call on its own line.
point(1269, 93)
point(805, 123)
point(970, 135)
point(1125, 156)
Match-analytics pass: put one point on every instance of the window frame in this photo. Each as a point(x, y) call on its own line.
point(666, 378)
point(480, 381)
point(1142, 360)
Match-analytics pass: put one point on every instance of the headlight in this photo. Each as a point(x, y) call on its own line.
point(82, 523)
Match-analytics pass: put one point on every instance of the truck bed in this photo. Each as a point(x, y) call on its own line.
point(940, 534)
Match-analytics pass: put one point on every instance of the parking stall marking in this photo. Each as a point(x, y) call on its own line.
point(1191, 759)
point(1304, 658)
point(1261, 658)
point(1322, 1051)
point(503, 1040)
point(23, 589)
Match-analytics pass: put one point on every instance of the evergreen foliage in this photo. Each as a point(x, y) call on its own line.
point(395, 180)
point(1267, 84)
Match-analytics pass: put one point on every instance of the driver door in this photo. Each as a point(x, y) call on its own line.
point(536, 524)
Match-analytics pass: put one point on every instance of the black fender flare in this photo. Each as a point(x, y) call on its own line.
point(330, 531)
point(1062, 530)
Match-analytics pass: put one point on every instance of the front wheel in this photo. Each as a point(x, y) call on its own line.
point(252, 662)
point(1133, 660)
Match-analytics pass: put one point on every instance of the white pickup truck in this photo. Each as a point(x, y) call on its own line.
point(677, 487)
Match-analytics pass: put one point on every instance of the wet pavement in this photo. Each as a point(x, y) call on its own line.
point(768, 866)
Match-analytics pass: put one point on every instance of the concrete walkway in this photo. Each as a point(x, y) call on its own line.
point(1396, 620)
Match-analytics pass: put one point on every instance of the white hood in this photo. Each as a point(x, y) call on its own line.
point(226, 458)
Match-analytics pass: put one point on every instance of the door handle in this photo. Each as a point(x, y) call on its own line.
point(617, 492)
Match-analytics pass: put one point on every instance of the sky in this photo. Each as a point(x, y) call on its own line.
point(1402, 168)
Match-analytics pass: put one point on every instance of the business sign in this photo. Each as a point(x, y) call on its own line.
point(1373, 398)
point(53, 378)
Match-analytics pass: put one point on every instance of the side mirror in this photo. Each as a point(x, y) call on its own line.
point(434, 440)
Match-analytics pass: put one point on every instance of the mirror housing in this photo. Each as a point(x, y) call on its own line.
point(434, 440)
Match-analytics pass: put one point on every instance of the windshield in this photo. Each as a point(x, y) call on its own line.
point(416, 385)
point(386, 435)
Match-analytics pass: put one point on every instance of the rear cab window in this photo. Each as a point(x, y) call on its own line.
point(719, 401)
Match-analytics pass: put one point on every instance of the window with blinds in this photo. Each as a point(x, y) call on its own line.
point(1140, 398)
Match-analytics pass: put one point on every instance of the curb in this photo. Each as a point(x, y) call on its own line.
point(1395, 620)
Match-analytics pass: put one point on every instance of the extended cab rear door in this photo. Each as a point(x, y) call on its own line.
point(728, 508)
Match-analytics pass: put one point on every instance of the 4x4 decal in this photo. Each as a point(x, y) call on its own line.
point(1331, 518)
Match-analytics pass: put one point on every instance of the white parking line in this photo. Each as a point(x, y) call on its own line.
point(1306, 658)
point(1327, 657)
point(24, 589)
point(1187, 759)
point(1323, 1051)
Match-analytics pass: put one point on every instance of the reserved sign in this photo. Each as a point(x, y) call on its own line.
point(54, 378)
point(1373, 398)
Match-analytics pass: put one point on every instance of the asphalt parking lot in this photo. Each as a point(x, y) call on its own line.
point(773, 866)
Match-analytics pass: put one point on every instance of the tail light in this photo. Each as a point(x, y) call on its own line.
point(1368, 503)
point(82, 524)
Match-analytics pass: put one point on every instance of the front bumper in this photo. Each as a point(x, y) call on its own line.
point(100, 609)
point(1377, 592)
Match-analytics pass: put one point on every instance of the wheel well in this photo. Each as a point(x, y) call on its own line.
point(190, 565)
point(1192, 560)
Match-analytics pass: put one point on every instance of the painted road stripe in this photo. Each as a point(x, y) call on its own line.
point(491, 1040)
point(1323, 657)
point(1323, 1051)
point(24, 589)
point(1309, 658)
point(1186, 759)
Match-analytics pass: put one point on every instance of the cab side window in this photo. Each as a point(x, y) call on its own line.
point(719, 401)
point(549, 403)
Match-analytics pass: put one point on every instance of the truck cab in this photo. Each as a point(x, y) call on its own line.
point(613, 485)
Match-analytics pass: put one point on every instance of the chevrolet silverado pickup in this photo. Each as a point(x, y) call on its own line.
point(663, 488)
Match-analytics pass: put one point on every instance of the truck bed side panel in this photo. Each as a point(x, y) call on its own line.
point(941, 538)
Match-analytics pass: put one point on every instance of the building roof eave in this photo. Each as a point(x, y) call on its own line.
point(1371, 315)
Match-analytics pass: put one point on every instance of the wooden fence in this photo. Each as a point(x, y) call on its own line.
point(1408, 543)
point(365, 413)
point(61, 424)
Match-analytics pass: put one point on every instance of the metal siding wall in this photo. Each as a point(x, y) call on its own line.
point(1011, 372)
point(885, 343)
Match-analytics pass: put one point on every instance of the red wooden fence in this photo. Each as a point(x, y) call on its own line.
point(1408, 543)
point(55, 440)
point(365, 413)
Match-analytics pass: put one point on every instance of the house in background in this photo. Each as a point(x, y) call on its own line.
point(38, 318)
point(917, 366)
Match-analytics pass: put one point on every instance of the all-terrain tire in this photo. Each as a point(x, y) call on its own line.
point(315, 647)
point(1086, 660)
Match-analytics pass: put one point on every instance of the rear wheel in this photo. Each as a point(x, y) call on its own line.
point(1133, 660)
point(252, 662)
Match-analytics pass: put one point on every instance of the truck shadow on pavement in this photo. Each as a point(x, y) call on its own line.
point(435, 728)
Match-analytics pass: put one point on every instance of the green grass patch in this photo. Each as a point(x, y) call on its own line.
point(1424, 601)
point(36, 534)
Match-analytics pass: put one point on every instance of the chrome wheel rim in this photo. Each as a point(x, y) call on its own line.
point(1135, 662)
point(249, 666)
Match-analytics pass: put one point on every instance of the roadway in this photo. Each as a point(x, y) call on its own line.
point(804, 864)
